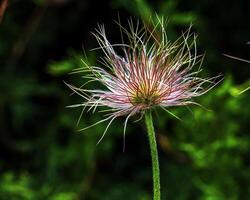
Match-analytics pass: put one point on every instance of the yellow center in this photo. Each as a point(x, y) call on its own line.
point(145, 99)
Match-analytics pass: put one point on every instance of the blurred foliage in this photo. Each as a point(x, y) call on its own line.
point(204, 156)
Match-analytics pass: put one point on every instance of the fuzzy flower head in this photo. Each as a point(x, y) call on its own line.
point(150, 71)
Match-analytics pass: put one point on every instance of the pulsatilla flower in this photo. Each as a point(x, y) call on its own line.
point(150, 71)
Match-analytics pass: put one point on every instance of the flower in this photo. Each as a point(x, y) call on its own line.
point(151, 72)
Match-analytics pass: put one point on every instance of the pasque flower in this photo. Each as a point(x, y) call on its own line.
point(149, 72)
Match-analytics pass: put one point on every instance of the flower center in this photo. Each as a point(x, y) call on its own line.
point(145, 99)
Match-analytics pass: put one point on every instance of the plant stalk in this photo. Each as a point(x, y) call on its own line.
point(154, 155)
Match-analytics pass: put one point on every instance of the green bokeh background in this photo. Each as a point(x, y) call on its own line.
point(43, 157)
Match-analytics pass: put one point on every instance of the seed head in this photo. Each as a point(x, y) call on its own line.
point(151, 71)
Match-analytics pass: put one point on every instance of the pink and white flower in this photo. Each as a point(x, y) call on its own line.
point(151, 72)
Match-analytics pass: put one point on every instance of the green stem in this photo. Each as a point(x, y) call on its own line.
point(154, 155)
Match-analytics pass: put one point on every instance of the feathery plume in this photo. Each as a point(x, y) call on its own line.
point(151, 72)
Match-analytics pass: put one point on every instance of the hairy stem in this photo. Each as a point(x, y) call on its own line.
point(154, 155)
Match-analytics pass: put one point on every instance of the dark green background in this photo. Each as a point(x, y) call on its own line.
point(42, 156)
